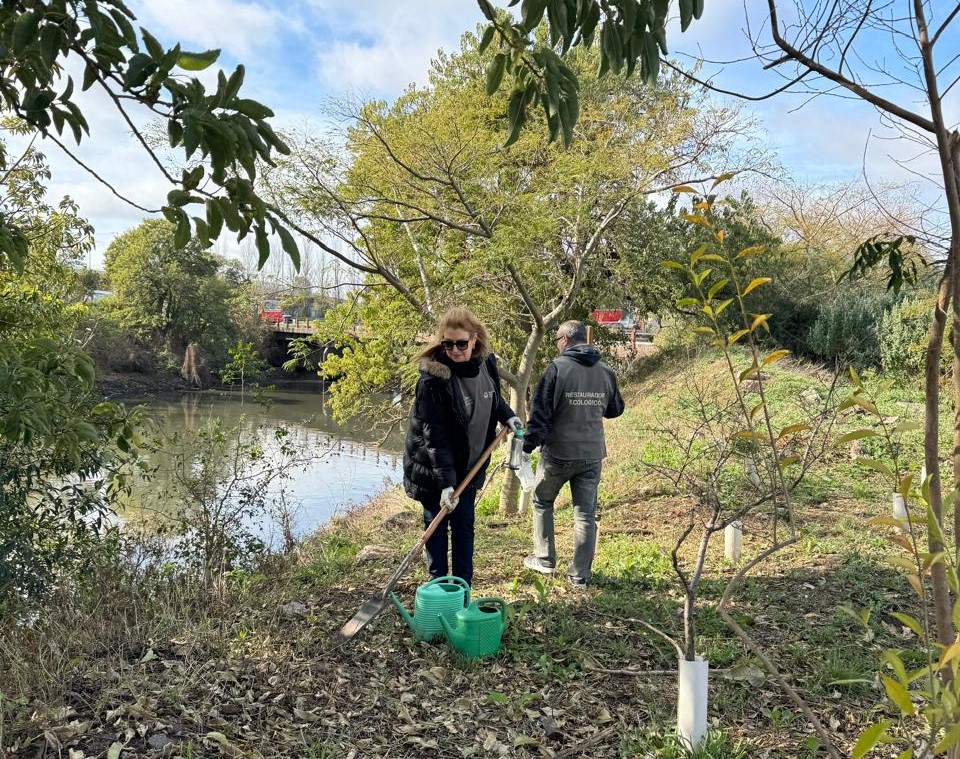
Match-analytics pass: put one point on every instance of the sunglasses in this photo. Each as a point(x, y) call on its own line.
point(460, 345)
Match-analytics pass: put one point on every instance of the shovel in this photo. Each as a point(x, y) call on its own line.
point(375, 605)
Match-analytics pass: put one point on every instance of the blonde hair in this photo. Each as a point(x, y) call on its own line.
point(459, 318)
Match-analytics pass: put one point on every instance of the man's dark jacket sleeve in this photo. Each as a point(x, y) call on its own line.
point(541, 410)
point(615, 405)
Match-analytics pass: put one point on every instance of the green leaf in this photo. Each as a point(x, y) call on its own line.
point(153, 47)
point(717, 287)
point(198, 61)
point(182, 235)
point(673, 265)
point(756, 283)
point(877, 466)
point(516, 115)
point(139, 68)
point(749, 251)
point(25, 30)
point(487, 9)
point(686, 14)
point(251, 108)
point(793, 429)
point(289, 245)
point(721, 306)
point(775, 356)
point(787, 461)
point(869, 738)
point(487, 38)
point(495, 72)
point(855, 435)
point(949, 740)
point(908, 426)
point(263, 245)
point(855, 378)
point(898, 695)
point(233, 84)
point(698, 254)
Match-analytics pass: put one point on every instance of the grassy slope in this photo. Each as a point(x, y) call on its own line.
point(143, 670)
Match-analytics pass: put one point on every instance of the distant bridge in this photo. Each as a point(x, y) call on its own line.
point(292, 327)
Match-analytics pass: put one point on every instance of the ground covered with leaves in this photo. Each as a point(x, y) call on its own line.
point(158, 668)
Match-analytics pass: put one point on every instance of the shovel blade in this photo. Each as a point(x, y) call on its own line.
point(362, 618)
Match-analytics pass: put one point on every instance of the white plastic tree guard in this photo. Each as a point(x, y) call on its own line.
point(692, 702)
point(899, 506)
point(733, 540)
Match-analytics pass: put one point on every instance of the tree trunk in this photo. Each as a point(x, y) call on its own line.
point(519, 389)
point(931, 450)
point(949, 289)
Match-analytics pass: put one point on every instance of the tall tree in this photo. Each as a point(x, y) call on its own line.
point(427, 200)
point(166, 292)
point(55, 437)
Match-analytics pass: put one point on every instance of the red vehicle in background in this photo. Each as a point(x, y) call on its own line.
point(606, 316)
point(271, 312)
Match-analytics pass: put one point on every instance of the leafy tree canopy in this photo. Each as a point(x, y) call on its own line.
point(630, 36)
point(168, 292)
point(222, 133)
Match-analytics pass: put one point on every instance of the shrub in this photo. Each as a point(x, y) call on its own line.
point(903, 333)
point(846, 330)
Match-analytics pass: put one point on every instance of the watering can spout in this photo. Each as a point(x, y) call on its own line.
point(407, 617)
point(454, 634)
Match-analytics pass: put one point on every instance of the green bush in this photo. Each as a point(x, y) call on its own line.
point(903, 334)
point(846, 330)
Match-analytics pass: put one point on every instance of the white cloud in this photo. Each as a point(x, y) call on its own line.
point(383, 46)
point(241, 28)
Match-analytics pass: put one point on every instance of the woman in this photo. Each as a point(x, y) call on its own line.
point(452, 421)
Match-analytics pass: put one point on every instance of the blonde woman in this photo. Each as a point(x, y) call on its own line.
point(452, 421)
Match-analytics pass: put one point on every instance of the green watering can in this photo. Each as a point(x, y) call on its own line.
point(440, 598)
point(478, 628)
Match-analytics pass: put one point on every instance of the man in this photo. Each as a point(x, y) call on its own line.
point(569, 404)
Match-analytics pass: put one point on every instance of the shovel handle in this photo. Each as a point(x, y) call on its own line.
point(432, 527)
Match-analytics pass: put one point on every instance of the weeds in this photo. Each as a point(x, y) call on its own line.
point(665, 745)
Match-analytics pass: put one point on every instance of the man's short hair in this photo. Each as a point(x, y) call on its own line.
point(574, 331)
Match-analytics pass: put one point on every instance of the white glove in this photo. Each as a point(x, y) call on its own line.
point(447, 499)
point(515, 424)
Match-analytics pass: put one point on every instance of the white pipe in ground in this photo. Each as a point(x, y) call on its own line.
point(692, 702)
point(733, 540)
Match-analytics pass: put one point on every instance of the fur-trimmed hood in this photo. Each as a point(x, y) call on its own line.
point(442, 368)
point(434, 368)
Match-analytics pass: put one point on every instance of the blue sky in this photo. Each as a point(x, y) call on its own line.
point(300, 53)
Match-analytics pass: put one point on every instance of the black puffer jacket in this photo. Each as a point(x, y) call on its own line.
point(436, 451)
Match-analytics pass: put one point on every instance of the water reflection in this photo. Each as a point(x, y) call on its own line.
point(348, 464)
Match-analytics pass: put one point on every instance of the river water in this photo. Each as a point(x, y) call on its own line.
point(342, 466)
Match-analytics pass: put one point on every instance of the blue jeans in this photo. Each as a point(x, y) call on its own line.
point(584, 479)
point(459, 524)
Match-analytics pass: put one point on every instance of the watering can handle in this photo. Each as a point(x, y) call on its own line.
point(454, 580)
point(494, 601)
point(431, 528)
